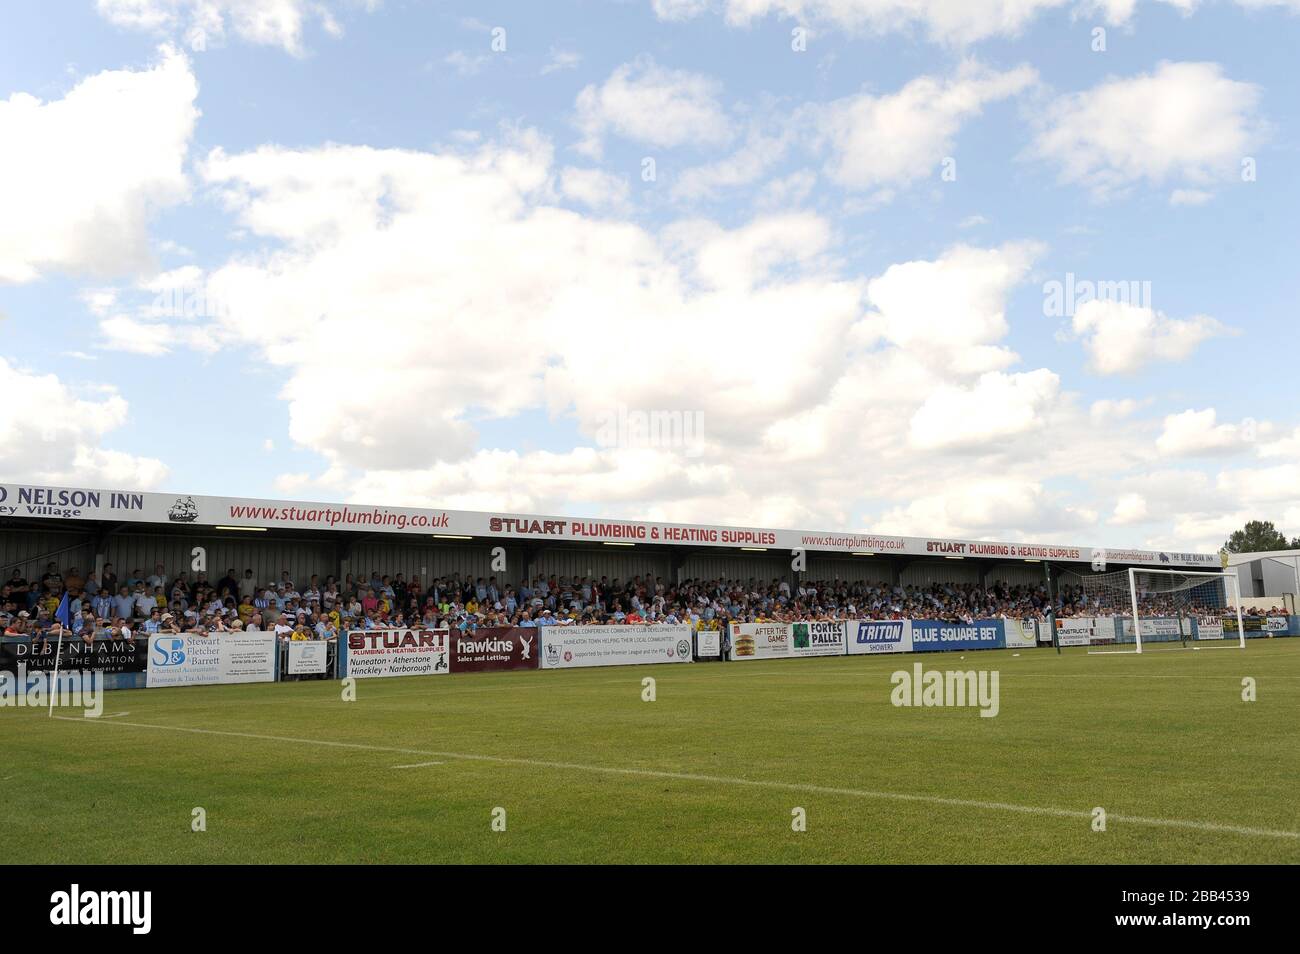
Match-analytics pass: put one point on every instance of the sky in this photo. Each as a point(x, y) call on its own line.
point(997, 269)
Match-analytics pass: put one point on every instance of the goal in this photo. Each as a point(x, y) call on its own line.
point(1154, 609)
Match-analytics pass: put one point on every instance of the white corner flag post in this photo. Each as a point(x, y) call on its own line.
point(54, 682)
point(1137, 620)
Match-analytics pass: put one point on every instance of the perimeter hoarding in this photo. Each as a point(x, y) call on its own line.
point(494, 649)
point(930, 635)
point(380, 653)
point(1209, 627)
point(192, 660)
point(760, 641)
point(308, 657)
point(708, 644)
point(1085, 630)
point(567, 647)
point(108, 656)
point(1021, 633)
point(880, 636)
point(1167, 627)
point(817, 639)
point(1259, 625)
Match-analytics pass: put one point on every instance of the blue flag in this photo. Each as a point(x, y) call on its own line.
point(64, 613)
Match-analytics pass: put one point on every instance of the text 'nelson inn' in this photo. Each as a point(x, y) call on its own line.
point(45, 500)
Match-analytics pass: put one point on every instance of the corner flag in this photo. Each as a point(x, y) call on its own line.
point(64, 613)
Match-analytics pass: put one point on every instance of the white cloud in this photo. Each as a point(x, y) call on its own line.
point(594, 188)
point(1262, 488)
point(203, 22)
point(93, 168)
point(1190, 197)
point(1183, 123)
point(954, 22)
point(1192, 433)
point(1108, 409)
point(901, 137)
point(953, 307)
point(991, 507)
point(122, 333)
point(866, 142)
point(998, 406)
point(908, 372)
point(1121, 338)
point(679, 9)
point(51, 434)
point(464, 64)
point(559, 59)
point(761, 150)
point(652, 105)
point(1130, 509)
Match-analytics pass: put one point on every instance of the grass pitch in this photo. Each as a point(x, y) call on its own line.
point(709, 772)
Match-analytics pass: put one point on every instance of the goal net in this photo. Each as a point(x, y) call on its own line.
point(1140, 610)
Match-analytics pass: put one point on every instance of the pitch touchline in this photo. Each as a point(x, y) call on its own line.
point(723, 780)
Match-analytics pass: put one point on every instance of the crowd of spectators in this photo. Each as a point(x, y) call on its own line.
point(140, 604)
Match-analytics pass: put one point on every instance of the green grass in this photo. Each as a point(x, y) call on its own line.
point(1160, 736)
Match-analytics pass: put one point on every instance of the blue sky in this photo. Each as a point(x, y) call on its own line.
point(435, 268)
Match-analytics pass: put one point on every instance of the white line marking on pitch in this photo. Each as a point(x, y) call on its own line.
point(418, 765)
point(115, 715)
point(747, 782)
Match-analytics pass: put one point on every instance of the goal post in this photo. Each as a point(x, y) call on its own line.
point(1144, 609)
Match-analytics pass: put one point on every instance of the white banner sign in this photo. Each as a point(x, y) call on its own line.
point(308, 657)
point(1276, 624)
point(1022, 633)
point(28, 502)
point(1084, 630)
point(817, 639)
point(1164, 626)
point(708, 643)
point(374, 653)
point(565, 647)
point(191, 660)
point(880, 636)
point(1209, 627)
point(760, 640)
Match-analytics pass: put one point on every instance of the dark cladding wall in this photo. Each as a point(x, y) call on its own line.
point(433, 561)
point(28, 549)
point(621, 563)
point(849, 569)
point(266, 557)
point(762, 567)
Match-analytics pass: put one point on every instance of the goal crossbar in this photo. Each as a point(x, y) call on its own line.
point(1231, 589)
